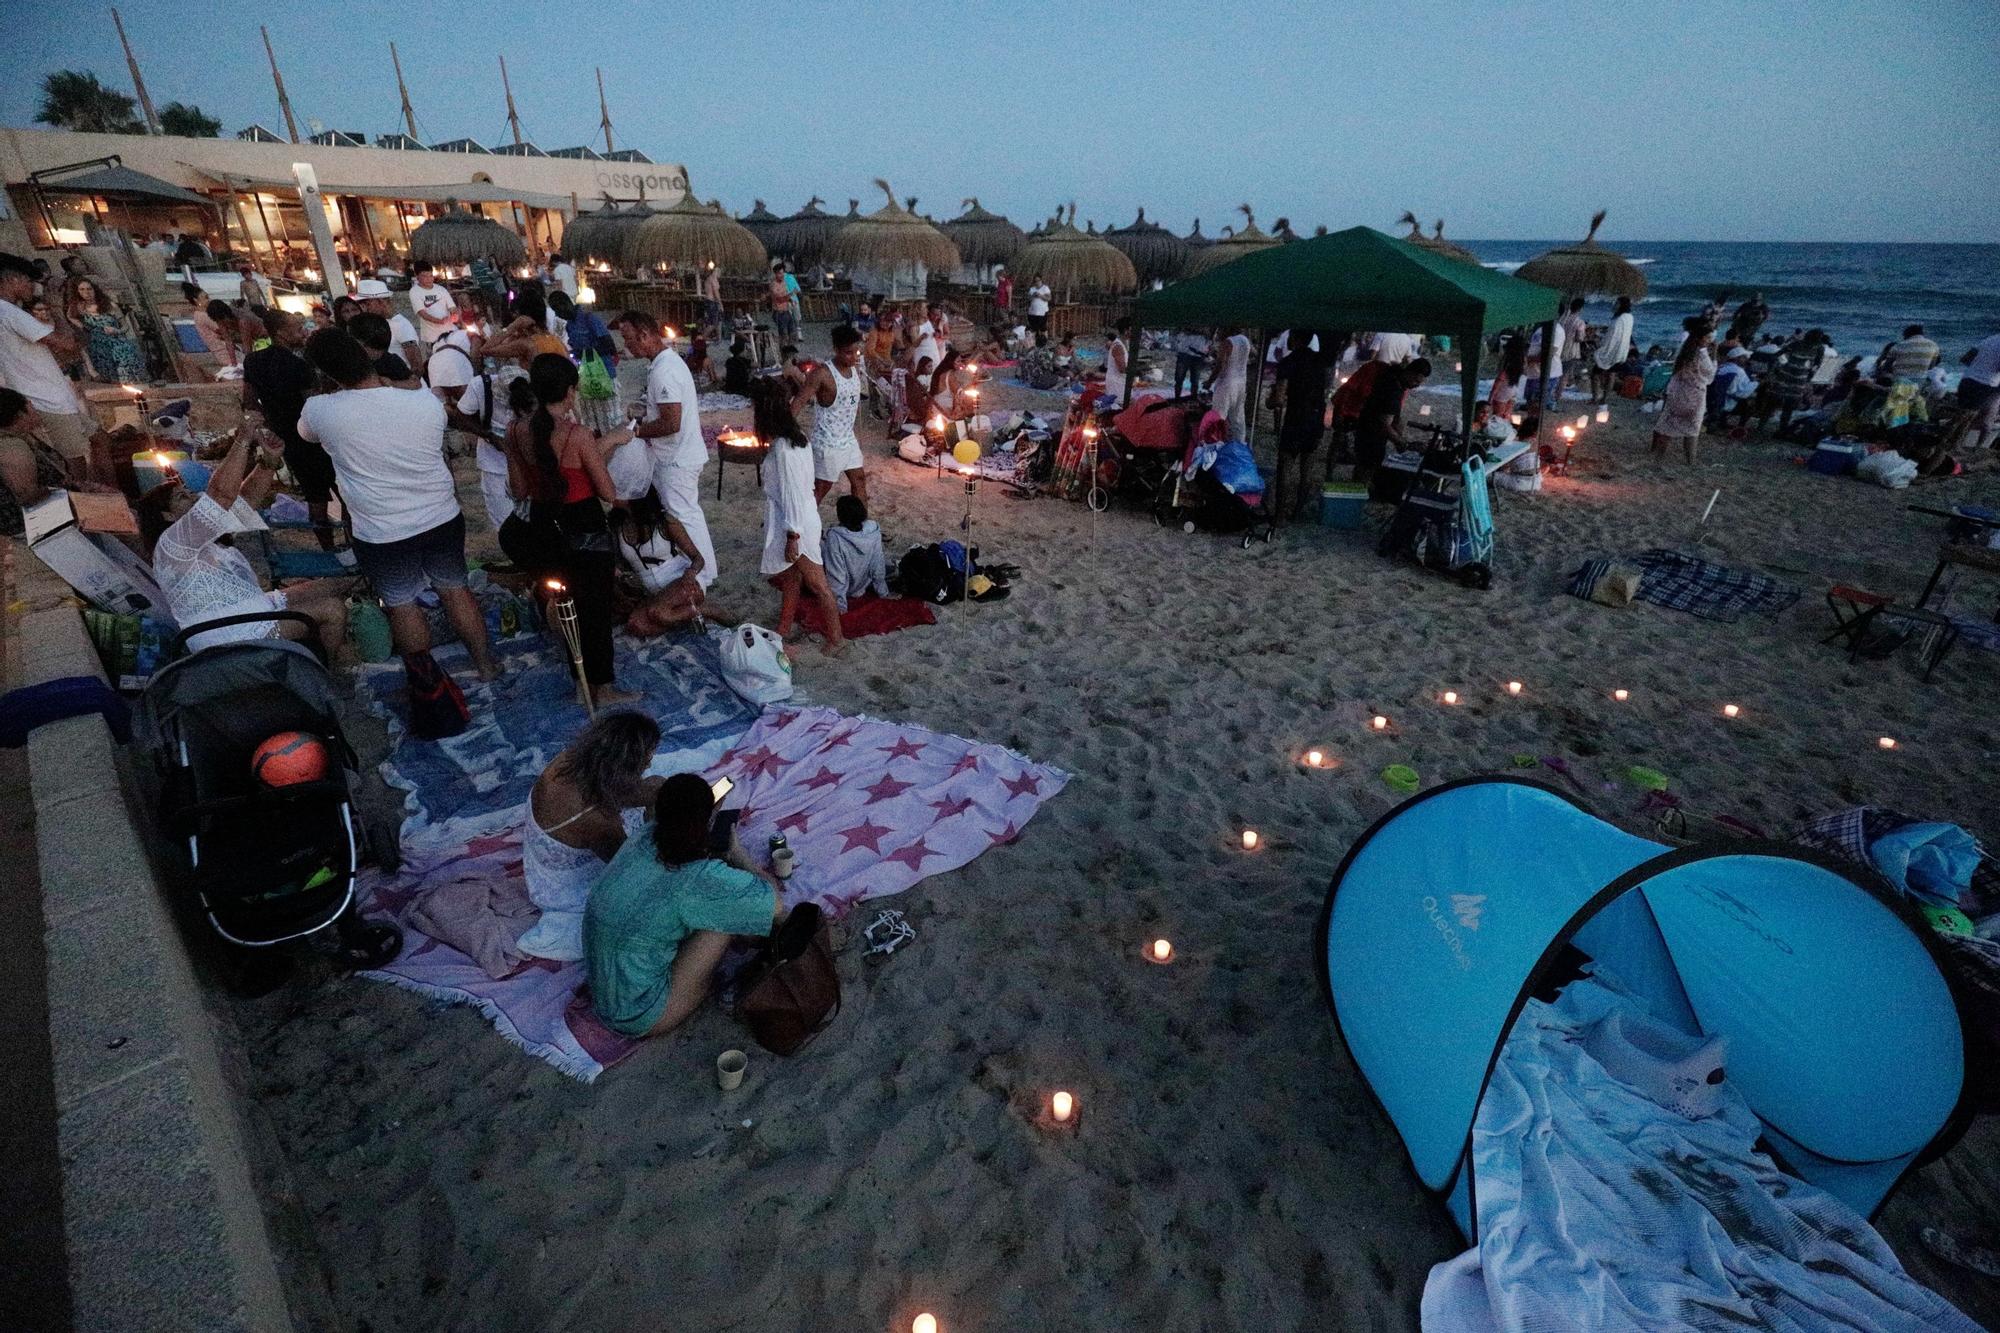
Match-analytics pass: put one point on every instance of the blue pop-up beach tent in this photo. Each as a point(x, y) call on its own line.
point(1457, 906)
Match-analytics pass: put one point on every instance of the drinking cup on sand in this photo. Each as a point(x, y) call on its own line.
point(729, 1067)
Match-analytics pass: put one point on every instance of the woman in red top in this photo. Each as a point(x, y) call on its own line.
point(557, 466)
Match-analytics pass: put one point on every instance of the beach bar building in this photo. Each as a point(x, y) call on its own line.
point(242, 194)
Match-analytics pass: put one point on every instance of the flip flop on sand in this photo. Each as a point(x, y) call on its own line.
point(1949, 1248)
point(888, 932)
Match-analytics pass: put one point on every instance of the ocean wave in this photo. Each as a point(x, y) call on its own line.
point(1805, 294)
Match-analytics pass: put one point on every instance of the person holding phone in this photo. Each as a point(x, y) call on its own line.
point(665, 910)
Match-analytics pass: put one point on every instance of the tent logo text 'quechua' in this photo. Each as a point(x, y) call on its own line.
point(1467, 907)
point(1450, 932)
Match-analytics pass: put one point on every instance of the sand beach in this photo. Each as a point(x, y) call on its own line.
point(1231, 1170)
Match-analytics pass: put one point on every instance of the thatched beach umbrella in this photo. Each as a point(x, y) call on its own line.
point(1195, 240)
point(801, 239)
point(1437, 245)
point(582, 234)
point(459, 237)
point(1586, 269)
point(1068, 261)
point(1283, 232)
point(1156, 253)
point(983, 238)
point(1448, 249)
point(1232, 246)
point(761, 222)
point(692, 234)
point(891, 237)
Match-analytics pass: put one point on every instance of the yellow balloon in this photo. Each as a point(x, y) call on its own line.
point(966, 452)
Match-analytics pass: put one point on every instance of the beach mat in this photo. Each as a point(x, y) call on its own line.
point(870, 808)
point(1687, 583)
point(523, 720)
point(870, 615)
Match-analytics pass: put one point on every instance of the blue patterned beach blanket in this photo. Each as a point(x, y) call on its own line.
point(1687, 583)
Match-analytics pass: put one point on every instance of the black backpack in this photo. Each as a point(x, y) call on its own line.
point(437, 705)
point(925, 574)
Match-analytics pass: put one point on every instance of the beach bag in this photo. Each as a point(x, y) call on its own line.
point(925, 574)
point(593, 379)
point(755, 665)
point(790, 992)
point(911, 449)
point(437, 705)
point(631, 469)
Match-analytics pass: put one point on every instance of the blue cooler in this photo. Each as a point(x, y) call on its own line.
point(1342, 504)
point(1836, 458)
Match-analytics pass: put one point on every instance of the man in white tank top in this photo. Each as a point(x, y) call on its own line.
point(834, 389)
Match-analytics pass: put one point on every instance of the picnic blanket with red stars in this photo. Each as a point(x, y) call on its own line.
point(869, 808)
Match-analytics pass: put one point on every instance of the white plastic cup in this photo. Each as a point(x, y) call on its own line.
point(729, 1067)
point(783, 861)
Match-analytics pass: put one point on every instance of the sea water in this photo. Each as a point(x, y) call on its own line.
point(1862, 295)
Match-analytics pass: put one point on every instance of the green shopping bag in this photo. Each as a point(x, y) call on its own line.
point(593, 380)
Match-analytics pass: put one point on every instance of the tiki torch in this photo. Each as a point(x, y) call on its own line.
point(562, 610)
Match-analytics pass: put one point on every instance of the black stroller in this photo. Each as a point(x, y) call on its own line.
point(266, 864)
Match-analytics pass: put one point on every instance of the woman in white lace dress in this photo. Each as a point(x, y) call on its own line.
point(579, 813)
point(1687, 394)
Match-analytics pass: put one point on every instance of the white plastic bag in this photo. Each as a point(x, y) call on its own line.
point(1887, 468)
point(755, 664)
point(631, 469)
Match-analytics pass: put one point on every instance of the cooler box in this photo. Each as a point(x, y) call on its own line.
point(1342, 505)
point(1836, 458)
point(1392, 481)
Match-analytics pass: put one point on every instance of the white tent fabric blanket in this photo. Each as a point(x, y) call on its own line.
point(1600, 1209)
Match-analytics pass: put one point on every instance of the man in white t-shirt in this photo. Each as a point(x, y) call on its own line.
point(1552, 375)
point(563, 274)
point(1229, 384)
point(1392, 349)
point(437, 311)
point(387, 447)
point(483, 411)
point(1038, 308)
point(375, 298)
point(671, 427)
point(28, 351)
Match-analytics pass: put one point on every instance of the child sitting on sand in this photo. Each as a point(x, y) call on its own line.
point(663, 912)
point(853, 553)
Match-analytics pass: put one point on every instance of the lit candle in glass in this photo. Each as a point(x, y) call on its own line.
point(1451, 696)
point(1515, 420)
point(1887, 742)
point(1424, 411)
point(1161, 951)
point(1379, 722)
point(1569, 433)
point(1314, 759)
point(1249, 840)
point(924, 1323)
point(1583, 421)
point(1603, 414)
point(1731, 710)
point(1621, 695)
point(1513, 687)
point(1061, 1107)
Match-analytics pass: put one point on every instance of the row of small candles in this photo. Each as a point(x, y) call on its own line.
point(1379, 723)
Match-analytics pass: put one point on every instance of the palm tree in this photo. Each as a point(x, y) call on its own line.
point(188, 122)
point(75, 100)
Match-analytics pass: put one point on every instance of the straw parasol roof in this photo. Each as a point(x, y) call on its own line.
point(582, 234)
point(1586, 268)
point(691, 234)
point(1437, 244)
point(1283, 231)
point(890, 237)
point(1155, 252)
point(983, 238)
point(1197, 241)
point(761, 222)
point(459, 237)
point(1069, 260)
point(802, 238)
point(1233, 245)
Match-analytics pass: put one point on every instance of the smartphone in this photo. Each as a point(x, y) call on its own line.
point(721, 831)
point(721, 787)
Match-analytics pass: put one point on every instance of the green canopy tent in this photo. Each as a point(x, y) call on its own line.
point(1356, 279)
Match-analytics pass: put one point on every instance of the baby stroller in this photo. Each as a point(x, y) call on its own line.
point(266, 863)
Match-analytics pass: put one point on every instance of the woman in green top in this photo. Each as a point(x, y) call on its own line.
point(665, 910)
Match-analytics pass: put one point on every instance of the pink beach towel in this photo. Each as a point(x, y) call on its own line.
point(869, 808)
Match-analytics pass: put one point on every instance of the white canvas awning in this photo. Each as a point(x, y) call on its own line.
point(466, 192)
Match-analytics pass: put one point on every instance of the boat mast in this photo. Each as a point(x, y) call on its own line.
point(138, 80)
point(291, 124)
point(409, 116)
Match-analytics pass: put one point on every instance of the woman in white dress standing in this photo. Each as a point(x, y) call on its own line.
point(835, 389)
point(1117, 355)
point(791, 514)
point(1687, 393)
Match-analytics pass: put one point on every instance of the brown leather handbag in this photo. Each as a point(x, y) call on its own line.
point(790, 991)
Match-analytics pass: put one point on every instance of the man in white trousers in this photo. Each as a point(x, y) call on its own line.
point(670, 425)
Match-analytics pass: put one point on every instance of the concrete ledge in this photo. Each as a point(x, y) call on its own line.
point(161, 1212)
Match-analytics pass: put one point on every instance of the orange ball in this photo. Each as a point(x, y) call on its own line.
point(289, 758)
